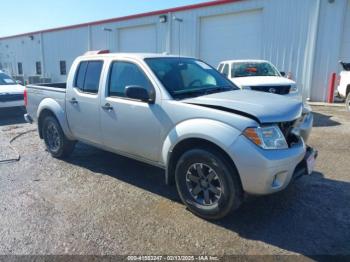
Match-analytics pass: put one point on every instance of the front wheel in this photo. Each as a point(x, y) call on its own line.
point(347, 102)
point(207, 184)
point(56, 142)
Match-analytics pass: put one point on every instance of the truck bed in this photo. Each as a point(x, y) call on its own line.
point(51, 93)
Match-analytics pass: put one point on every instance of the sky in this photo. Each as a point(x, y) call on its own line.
point(22, 16)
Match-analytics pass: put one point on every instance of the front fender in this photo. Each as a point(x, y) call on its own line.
point(58, 111)
point(219, 133)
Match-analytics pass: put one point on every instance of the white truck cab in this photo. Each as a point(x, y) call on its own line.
point(258, 75)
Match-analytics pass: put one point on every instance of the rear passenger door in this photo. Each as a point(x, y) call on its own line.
point(83, 105)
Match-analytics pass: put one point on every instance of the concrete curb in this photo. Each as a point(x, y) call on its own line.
point(326, 104)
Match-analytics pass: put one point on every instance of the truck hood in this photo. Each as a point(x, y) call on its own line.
point(262, 107)
point(11, 89)
point(261, 81)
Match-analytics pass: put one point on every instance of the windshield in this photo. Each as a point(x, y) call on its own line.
point(253, 69)
point(188, 77)
point(6, 80)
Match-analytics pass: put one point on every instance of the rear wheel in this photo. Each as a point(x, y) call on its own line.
point(207, 184)
point(347, 102)
point(56, 142)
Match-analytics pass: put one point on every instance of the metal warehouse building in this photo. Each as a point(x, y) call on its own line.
point(304, 37)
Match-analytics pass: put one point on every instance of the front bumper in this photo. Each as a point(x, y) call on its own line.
point(266, 171)
point(9, 104)
point(302, 168)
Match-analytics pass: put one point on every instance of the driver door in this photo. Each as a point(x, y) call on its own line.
point(130, 126)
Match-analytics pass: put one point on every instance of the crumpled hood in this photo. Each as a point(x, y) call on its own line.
point(11, 89)
point(263, 107)
point(262, 81)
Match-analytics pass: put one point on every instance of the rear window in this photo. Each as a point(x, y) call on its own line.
point(88, 76)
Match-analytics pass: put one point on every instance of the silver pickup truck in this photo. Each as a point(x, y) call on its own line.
point(215, 141)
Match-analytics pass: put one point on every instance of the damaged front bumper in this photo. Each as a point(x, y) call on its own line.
point(306, 166)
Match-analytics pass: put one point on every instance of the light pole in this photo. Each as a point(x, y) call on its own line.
point(179, 20)
point(108, 36)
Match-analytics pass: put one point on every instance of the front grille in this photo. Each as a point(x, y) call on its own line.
point(10, 97)
point(280, 90)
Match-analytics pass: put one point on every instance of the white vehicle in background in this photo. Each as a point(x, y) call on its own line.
point(344, 84)
point(11, 93)
point(258, 75)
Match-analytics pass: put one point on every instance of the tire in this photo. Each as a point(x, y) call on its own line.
point(347, 102)
point(195, 163)
point(56, 142)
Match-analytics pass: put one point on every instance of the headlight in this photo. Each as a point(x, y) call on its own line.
point(270, 137)
point(293, 89)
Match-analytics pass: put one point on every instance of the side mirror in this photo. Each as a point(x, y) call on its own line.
point(139, 93)
point(19, 82)
point(283, 74)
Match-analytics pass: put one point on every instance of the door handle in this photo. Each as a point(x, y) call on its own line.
point(73, 101)
point(107, 107)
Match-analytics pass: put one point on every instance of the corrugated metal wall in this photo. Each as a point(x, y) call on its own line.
point(299, 36)
point(328, 48)
point(345, 49)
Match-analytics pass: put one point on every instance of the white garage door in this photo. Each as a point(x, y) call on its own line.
point(345, 52)
point(138, 39)
point(233, 36)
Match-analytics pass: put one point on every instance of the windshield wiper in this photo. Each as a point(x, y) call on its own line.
point(218, 89)
point(200, 92)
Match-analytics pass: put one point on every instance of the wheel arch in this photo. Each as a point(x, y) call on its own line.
point(51, 107)
point(191, 143)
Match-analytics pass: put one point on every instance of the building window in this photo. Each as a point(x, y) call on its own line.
point(20, 68)
point(63, 68)
point(38, 68)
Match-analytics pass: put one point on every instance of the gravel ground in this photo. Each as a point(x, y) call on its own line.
point(103, 204)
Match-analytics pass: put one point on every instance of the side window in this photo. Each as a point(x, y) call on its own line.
point(80, 76)
point(225, 70)
point(87, 78)
point(92, 77)
point(220, 67)
point(123, 74)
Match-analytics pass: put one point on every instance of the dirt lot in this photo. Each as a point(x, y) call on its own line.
point(100, 203)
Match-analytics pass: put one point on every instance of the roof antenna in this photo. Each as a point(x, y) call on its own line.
point(180, 21)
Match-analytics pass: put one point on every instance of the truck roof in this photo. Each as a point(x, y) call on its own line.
point(245, 61)
point(133, 55)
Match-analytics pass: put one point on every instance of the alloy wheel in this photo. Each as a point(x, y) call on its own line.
point(204, 184)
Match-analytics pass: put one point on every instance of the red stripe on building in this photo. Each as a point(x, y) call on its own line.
point(124, 18)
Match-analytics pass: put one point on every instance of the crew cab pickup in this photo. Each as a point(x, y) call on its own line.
point(215, 142)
